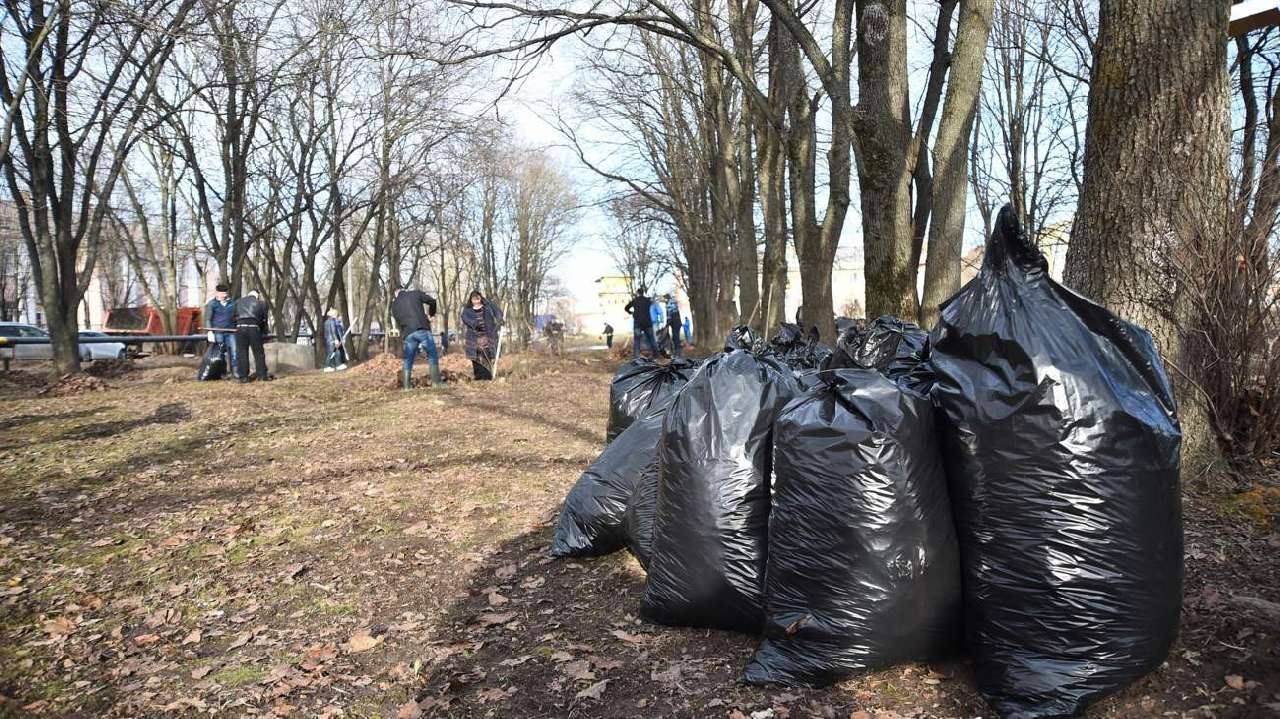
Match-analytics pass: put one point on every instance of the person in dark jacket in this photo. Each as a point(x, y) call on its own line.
point(335, 358)
point(220, 318)
point(482, 319)
point(251, 327)
point(641, 323)
point(673, 324)
point(608, 335)
point(415, 329)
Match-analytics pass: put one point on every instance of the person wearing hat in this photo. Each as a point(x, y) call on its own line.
point(220, 318)
point(335, 354)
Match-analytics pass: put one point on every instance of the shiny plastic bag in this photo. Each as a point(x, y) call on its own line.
point(591, 520)
point(887, 344)
point(1061, 439)
point(711, 523)
point(642, 386)
point(863, 569)
point(637, 521)
point(800, 350)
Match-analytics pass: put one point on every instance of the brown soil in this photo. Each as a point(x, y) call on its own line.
point(322, 546)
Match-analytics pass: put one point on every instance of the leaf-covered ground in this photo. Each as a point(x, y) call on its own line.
point(323, 546)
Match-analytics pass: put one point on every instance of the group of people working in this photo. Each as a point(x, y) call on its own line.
point(412, 311)
point(646, 316)
point(238, 328)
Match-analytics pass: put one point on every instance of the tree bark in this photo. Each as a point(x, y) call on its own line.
point(1155, 172)
point(951, 158)
point(883, 128)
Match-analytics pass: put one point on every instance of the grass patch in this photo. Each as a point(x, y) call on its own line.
point(238, 676)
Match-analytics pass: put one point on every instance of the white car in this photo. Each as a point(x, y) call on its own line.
point(103, 350)
point(31, 352)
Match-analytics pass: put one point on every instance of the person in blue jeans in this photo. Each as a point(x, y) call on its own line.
point(415, 328)
point(673, 324)
point(639, 308)
point(219, 316)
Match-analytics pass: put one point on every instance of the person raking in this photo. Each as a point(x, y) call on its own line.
point(481, 318)
point(251, 328)
point(415, 328)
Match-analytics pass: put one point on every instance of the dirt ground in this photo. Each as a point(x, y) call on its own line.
point(326, 546)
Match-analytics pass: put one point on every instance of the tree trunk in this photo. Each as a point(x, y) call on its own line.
point(884, 175)
point(1155, 173)
point(951, 158)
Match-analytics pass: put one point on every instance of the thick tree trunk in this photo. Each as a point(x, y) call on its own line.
point(884, 174)
point(1155, 172)
point(951, 158)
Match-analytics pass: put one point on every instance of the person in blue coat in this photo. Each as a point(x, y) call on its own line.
point(220, 318)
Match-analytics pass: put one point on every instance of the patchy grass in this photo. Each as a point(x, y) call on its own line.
point(322, 545)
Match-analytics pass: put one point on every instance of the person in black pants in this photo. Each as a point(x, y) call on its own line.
point(251, 326)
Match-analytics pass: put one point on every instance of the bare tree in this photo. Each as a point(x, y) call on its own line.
point(74, 127)
point(639, 247)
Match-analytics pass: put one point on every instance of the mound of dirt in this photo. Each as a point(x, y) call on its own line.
point(19, 379)
point(383, 363)
point(73, 384)
point(110, 368)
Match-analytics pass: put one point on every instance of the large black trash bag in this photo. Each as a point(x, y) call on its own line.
point(888, 344)
point(212, 365)
point(641, 386)
point(591, 520)
point(1061, 439)
point(863, 568)
point(710, 528)
point(638, 520)
point(800, 350)
point(740, 338)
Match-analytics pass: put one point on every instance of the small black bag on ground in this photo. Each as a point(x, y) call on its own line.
point(641, 386)
point(863, 568)
point(591, 520)
point(212, 365)
point(1061, 440)
point(888, 344)
point(800, 350)
point(710, 528)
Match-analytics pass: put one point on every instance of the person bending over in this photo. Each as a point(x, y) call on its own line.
point(415, 328)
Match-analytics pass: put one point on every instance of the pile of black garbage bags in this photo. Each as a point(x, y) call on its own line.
point(1005, 486)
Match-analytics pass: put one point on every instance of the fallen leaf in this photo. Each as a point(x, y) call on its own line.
point(605, 664)
point(496, 600)
point(241, 640)
point(492, 694)
point(579, 670)
point(670, 675)
point(506, 571)
point(361, 641)
point(533, 582)
point(860, 714)
point(493, 619)
point(418, 529)
point(293, 571)
point(143, 640)
point(628, 637)
point(193, 637)
point(409, 711)
point(1235, 681)
point(60, 627)
point(201, 672)
point(595, 691)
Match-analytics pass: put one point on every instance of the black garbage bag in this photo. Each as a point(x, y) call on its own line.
point(863, 569)
point(800, 350)
point(740, 338)
point(888, 344)
point(591, 520)
point(1061, 438)
point(641, 386)
point(638, 520)
point(710, 527)
point(212, 365)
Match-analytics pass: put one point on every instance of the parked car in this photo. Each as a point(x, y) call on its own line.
point(103, 350)
point(32, 352)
